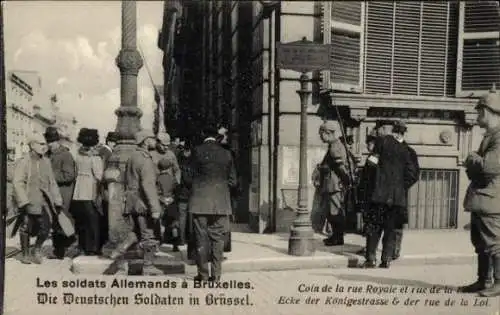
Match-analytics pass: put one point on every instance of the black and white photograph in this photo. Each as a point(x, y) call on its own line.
point(250, 157)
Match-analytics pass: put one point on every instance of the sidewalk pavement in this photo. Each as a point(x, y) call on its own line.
point(252, 252)
point(269, 252)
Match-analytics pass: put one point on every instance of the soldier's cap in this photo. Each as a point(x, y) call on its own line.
point(163, 138)
point(36, 138)
point(328, 125)
point(399, 127)
point(142, 135)
point(491, 100)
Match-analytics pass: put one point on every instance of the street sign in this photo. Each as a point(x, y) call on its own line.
point(303, 56)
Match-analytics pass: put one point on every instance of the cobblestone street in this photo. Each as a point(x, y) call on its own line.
point(268, 289)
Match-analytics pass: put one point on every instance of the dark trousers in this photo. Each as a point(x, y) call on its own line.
point(104, 230)
point(480, 243)
point(334, 206)
point(183, 222)
point(36, 225)
point(209, 235)
point(87, 225)
point(145, 227)
point(398, 239)
point(383, 223)
point(337, 224)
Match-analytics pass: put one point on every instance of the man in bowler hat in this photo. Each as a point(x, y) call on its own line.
point(210, 203)
point(64, 169)
point(482, 198)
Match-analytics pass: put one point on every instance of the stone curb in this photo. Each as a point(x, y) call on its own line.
point(339, 261)
point(83, 265)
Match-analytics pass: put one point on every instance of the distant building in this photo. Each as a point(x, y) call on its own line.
point(30, 109)
point(21, 97)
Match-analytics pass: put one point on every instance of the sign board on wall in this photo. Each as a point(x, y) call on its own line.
point(303, 56)
point(290, 163)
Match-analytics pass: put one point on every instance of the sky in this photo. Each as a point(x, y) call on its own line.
point(73, 46)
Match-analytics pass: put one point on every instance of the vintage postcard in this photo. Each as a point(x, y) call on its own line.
point(250, 157)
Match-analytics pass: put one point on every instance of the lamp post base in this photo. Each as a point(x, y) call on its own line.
point(301, 241)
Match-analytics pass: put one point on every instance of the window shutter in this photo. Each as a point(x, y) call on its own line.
point(347, 23)
point(408, 48)
point(478, 64)
point(434, 49)
point(378, 50)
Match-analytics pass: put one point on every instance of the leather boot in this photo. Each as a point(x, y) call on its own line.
point(150, 248)
point(37, 255)
point(25, 248)
point(122, 248)
point(483, 270)
point(494, 290)
point(122, 267)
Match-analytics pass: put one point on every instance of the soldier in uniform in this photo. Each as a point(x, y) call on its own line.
point(163, 151)
point(37, 196)
point(335, 178)
point(64, 169)
point(210, 202)
point(142, 203)
point(482, 199)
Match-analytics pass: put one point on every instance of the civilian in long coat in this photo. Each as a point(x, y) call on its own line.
point(85, 207)
point(400, 128)
point(210, 203)
point(482, 199)
point(64, 169)
point(37, 196)
point(389, 197)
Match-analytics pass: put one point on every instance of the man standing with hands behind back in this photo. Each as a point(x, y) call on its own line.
point(210, 203)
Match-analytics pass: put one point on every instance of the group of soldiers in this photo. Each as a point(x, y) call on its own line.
point(56, 193)
point(379, 191)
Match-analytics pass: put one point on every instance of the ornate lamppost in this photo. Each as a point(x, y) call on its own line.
point(301, 241)
point(129, 62)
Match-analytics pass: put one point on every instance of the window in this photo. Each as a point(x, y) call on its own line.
point(478, 64)
point(433, 200)
point(343, 23)
point(409, 47)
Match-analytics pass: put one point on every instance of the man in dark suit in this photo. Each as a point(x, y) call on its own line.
point(210, 203)
point(399, 129)
point(388, 200)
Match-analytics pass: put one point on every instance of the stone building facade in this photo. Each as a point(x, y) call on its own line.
point(424, 62)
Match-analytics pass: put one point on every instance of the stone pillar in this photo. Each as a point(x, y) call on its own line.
point(129, 62)
point(358, 115)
